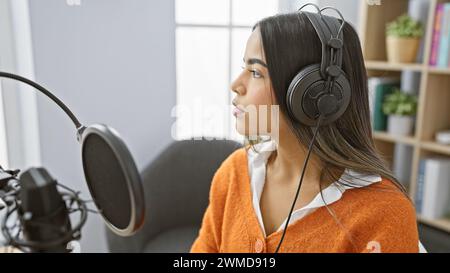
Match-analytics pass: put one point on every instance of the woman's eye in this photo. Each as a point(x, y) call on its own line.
point(255, 73)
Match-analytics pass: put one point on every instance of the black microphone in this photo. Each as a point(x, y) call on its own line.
point(109, 169)
point(42, 211)
point(42, 221)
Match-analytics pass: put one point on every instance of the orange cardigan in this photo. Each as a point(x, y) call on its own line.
point(375, 218)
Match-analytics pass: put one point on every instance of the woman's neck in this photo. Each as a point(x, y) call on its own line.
point(287, 160)
point(286, 163)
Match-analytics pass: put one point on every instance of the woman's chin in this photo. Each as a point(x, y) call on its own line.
point(241, 126)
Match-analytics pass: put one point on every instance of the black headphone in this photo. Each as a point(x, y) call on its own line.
point(320, 93)
point(321, 89)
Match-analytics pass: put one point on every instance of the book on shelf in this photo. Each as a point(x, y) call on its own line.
point(402, 161)
point(379, 87)
point(433, 187)
point(419, 186)
point(440, 43)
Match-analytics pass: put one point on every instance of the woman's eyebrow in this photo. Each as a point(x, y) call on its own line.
point(255, 61)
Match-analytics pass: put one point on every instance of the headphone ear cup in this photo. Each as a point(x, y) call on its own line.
point(294, 91)
point(306, 88)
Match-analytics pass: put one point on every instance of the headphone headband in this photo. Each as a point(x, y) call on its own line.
point(330, 33)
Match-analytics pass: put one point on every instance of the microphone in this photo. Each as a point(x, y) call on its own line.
point(42, 211)
point(42, 222)
point(109, 169)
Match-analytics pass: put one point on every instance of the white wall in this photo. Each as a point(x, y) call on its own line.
point(111, 62)
point(3, 143)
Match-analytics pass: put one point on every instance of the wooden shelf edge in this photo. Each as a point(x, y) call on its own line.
point(388, 66)
point(437, 70)
point(378, 135)
point(435, 147)
point(442, 224)
point(384, 65)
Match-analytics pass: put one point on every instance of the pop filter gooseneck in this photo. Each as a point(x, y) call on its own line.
point(110, 171)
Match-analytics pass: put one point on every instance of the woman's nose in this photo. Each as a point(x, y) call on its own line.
point(237, 87)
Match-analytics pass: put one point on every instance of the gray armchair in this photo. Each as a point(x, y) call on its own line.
point(176, 186)
point(433, 239)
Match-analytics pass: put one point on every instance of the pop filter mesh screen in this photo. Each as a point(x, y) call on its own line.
point(106, 181)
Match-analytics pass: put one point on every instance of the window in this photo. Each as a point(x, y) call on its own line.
point(3, 146)
point(210, 44)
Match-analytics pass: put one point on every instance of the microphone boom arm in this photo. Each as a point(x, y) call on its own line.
point(43, 90)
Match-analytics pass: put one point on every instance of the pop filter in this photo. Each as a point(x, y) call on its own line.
point(111, 174)
point(112, 178)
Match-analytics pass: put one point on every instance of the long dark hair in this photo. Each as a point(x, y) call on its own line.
point(290, 43)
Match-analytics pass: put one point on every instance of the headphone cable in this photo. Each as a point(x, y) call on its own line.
point(301, 180)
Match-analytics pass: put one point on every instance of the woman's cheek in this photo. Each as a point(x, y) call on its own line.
point(256, 120)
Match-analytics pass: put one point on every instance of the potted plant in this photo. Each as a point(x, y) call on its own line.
point(403, 39)
point(401, 109)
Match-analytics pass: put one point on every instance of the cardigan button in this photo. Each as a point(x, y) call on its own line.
point(259, 246)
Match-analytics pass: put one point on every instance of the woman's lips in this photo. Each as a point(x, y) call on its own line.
point(237, 111)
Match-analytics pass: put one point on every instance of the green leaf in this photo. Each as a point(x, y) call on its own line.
point(405, 26)
point(399, 103)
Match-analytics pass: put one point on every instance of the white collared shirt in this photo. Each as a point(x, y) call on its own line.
point(257, 171)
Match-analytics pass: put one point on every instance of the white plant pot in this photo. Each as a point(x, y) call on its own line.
point(400, 125)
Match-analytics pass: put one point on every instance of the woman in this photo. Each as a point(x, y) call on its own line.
point(349, 199)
